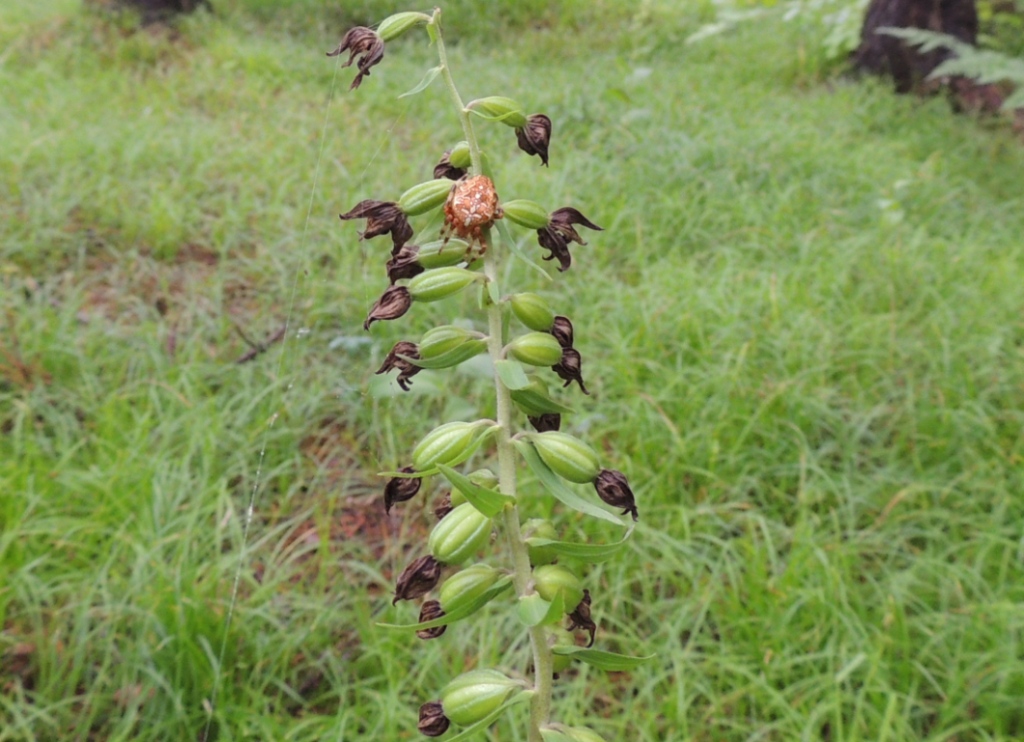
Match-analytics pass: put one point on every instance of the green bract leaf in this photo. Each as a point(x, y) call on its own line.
point(428, 78)
point(513, 246)
point(589, 552)
point(553, 735)
point(603, 660)
point(469, 609)
point(468, 732)
point(453, 357)
point(494, 292)
point(558, 488)
point(533, 401)
point(534, 610)
point(512, 374)
point(488, 502)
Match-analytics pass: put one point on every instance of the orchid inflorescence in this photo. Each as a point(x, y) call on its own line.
point(552, 603)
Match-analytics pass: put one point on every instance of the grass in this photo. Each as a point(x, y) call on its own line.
point(802, 327)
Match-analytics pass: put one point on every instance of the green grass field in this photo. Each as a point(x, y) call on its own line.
point(803, 330)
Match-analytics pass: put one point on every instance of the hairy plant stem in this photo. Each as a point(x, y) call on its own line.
point(540, 704)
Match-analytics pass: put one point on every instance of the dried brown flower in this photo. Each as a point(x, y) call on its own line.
point(535, 136)
point(404, 264)
point(613, 487)
point(560, 231)
point(569, 368)
point(406, 369)
point(418, 579)
point(580, 618)
point(549, 239)
point(400, 489)
point(445, 169)
point(433, 722)
point(356, 41)
point(443, 506)
point(562, 330)
point(430, 610)
point(544, 423)
point(392, 304)
point(382, 217)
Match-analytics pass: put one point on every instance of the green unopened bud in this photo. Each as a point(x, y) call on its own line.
point(444, 444)
point(584, 734)
point(540, 528)
point(534, 348)
point(474, 695)
point(533, 311)
point(395, 25)
point(444, 339)
point(554, 579)
point(425, 197)
point(500, 108)
point(459, 535)
point(439, 254)
point(460, 156)
point(483, 478)
point(466, 586)
point(527, 214)
point(568, 456)
point(441, 283)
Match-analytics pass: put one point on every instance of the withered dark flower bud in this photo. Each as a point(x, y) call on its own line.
point(445, 169)
point(406, 369)
point(382, 217)
point(404, 264)
point(400, 489)
point(562, 221)
point(551, 240)
point(418, 579)
point(430, 610)
point(546, 422)
point(561, 328)
point(569, 368)
point(580, 618)
point(356, 41)
point(392, 304)
point(535, 136)
point(433, 722)
point(443, 506)
point(613, 488)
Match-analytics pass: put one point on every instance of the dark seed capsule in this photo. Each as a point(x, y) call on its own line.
point(613, 487)
point(433, 722)
point(400, 489)
point(418, 579)
point(430, 610)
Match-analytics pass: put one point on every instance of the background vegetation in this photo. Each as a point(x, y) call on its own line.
point(802, 328)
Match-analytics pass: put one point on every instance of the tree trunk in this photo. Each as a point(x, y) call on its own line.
point(881, 54)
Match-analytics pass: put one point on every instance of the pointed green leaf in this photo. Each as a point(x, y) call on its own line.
point(512, 374)
point(533, 402)
point(428, 78)
point(469, 609)
point(603, 660)
point(553, 735)
point(488, 502)
point(453, 357)
point(534, 610)
point(492, 717)
point(558, 488)
point(594, 553)
point(494, 292)
point(513, 246)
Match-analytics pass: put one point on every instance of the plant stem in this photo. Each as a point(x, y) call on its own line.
point(540, 704)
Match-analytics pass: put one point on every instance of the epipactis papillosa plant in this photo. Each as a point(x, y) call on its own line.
point(551, 601)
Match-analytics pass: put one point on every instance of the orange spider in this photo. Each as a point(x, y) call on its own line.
point(470, 210)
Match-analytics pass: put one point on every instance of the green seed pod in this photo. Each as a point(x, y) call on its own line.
point(568, 456)
point(533, 311)
point(444, 444)
point(529, 214)
point(441, 340)
point(425, 197)
point(540, 528)
point(473, 695)
point(483, 478)
point(440, 255)
point(466, 586)
point(534, 348)
point(500, 108)
point(552, 579)
point(441, 283)
point(583, 734)
point(459, 156)
point(395, 25)
point(459, 535)
point(561, 638)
